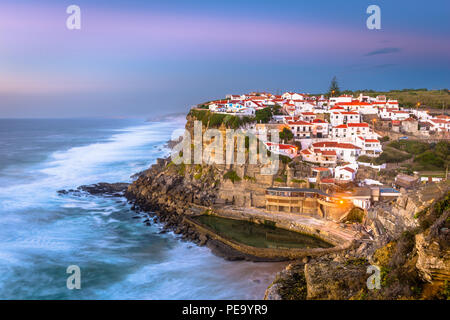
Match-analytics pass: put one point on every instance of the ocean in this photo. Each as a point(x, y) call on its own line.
point(42, 232)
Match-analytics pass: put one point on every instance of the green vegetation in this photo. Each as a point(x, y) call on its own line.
point(198, 176)
point(232, 175)
point(357, 262)
point(365, 159)
point(355, 215)
point(427, 156)
point(215, 120)
point(294, 287)
point(391, 155)
point(298, 181)
point(181, 169)
point(285, 159)
point(410, 97)
point(281, 178)
point(444, 293)
point(251, 179)
point(384, 139)
point(264, 115)
point(411, 146)
point(334, 88)
point(286, 135)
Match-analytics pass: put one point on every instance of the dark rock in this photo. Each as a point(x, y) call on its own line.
point(103, 188)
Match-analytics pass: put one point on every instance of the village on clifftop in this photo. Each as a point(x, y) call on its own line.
point(333, 134)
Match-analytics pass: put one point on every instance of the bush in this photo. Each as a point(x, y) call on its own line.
point(286, 134)
point(391, 155)
point(285, 159)
point(410, 146)
point(248, 178)
point(294, 287)
point(365, 159)
point(215, 120)
point(232, 175)
point(263, 115)
point(355, 215)
point(198, 176)
point(428, 160)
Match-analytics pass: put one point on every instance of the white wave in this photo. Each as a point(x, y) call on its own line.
point(123, 154)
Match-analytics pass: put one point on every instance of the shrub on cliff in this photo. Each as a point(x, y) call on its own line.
point(286, 135)
point(293, 287)
point(232, 175)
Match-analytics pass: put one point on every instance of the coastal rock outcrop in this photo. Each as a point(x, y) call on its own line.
point(413, 257)
point(100, 189)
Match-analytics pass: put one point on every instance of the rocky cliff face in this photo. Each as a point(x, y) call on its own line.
point(389, 219)
point(411, 247)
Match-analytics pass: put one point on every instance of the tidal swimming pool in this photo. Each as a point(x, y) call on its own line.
point(260, 235)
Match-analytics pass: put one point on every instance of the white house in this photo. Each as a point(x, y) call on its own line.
point(440, 124)
point(320, 128)
point(293, 96)
point(308, 116)
point(301, 129)
point(359, 106)
point(323, 157)
point(215, 107)
point(343, 98)
point(370, 147)
point(283, 149)
point(350, 130)
point(395, 114)
point(345, 173)
point(344, 151)
point(343, 117)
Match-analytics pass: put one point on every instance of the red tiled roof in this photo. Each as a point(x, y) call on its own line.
point(327, 180)
point(358, 125)
point(347, 146)
point(353, 125)
point(329, 153)
point(303, 123)
point(325, 144)
point(353, 103)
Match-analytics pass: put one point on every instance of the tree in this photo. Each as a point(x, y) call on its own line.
point(334, 88)
point(286, 135)
point(263, 115)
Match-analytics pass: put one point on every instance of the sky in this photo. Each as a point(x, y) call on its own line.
point(148, 58)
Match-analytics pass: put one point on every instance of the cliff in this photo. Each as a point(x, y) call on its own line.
point(413, 256)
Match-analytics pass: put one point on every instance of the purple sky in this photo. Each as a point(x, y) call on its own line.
point(138, 60)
